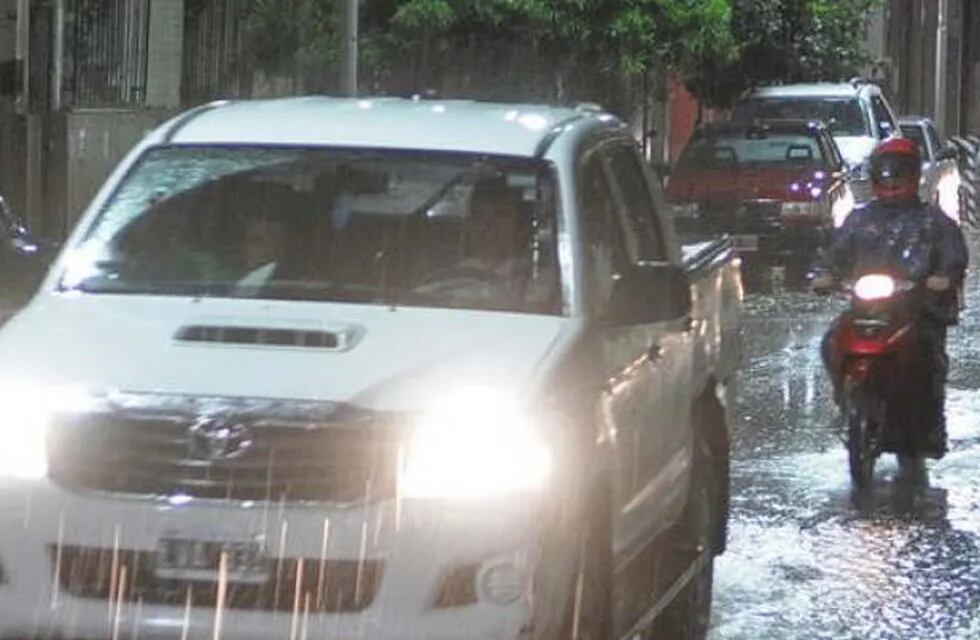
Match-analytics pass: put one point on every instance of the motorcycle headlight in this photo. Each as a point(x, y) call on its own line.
point(474, 444)
point(874, 287)
point(23, 431)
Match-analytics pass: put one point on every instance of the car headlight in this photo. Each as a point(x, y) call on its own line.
point(23, 431)
point(842, 208)
point(474, 444)
point(949, 194)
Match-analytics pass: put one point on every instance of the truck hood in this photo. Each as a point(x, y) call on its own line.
point(386, 360)
point(855, 149)
point(744, 184)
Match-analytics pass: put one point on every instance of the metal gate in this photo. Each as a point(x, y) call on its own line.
point(213, 50)
point(107, 41)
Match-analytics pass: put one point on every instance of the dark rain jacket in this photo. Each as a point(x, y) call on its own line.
point(909, 240)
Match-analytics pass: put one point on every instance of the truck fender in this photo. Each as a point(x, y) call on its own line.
point(709, 419)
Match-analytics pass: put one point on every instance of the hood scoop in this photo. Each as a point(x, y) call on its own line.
point(265, 336)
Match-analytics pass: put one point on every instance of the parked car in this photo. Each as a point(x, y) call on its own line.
point(857, 113)
point(778, 188)
point(940, 170)
point(370, 368)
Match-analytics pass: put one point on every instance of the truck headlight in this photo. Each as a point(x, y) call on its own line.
point(23, 431)
point(842, 208)
point(474, 444)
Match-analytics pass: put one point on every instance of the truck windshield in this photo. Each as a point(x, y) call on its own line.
point(844, 116)
point(737, 150)
point(375, 227)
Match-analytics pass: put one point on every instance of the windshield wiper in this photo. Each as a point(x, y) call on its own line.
point(191, 289)
point(315, 291)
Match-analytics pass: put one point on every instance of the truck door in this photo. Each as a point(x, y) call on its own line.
point(664, 441)
point(625, 374)
point(638, 360)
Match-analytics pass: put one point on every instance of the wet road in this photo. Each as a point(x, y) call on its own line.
point(805, 561)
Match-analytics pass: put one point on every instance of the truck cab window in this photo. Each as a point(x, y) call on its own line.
point(830, 152)
point(886, 123)
point(605, 245)
point(639, 215)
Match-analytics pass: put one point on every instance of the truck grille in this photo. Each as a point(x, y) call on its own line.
point(331, 586)
point(156, 456)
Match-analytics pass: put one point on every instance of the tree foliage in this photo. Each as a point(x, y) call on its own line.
point(718, 47)
point(785, 41)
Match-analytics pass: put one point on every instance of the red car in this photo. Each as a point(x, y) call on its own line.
point(777, 188)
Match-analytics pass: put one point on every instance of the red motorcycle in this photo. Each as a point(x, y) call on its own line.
point(881, 372)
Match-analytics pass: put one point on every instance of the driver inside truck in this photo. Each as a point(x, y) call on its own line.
point(498, 229)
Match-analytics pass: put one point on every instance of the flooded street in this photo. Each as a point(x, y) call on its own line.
point(806, 560)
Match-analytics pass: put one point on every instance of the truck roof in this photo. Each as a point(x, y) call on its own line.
point(814, 127)
point(914, 120)
point(391, 123)
point(815, 90)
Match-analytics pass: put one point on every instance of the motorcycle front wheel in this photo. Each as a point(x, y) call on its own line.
point(862, 447)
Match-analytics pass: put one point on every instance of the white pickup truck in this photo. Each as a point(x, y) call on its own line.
point(378, 369)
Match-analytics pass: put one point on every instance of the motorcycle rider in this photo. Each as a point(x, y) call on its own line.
point(899, 234)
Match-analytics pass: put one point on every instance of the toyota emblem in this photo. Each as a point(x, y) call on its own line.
point(216, 439)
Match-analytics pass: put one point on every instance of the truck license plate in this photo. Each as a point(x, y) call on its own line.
point(200, 560)
point(745, 242)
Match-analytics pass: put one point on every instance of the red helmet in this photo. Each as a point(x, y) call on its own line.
point(895, 169)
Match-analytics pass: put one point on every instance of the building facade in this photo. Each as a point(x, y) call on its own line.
point(927, 56)
point(82, 80)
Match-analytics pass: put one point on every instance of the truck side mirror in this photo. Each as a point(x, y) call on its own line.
point(648, 293)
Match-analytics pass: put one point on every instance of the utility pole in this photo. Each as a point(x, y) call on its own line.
point(348, 47)
point(942, 47)
point(58, 55)
point(22, 55)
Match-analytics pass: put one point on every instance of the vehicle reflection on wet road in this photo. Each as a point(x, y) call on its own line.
point(807, 560)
